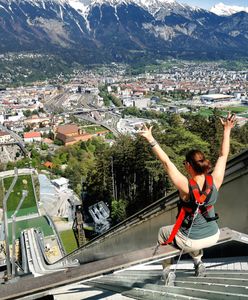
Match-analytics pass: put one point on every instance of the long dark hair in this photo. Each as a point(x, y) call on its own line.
point(198, 162)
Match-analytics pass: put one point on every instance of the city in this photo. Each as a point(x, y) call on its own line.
point(82, 195)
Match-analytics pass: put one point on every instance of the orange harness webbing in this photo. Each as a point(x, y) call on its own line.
point(200, 198)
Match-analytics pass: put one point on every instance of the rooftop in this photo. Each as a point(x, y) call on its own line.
point(31, 134)
point(3, 133)
point(67, 129)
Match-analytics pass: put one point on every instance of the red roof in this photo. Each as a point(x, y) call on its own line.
point(3, 133)
point(31, 134)
point(48, 164)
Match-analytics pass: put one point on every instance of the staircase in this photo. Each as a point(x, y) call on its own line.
point(140, 284)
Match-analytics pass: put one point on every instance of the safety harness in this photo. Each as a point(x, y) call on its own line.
point(187, 210)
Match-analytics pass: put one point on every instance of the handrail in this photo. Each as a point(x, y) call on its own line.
point(6, 234)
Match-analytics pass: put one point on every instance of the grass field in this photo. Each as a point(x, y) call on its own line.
point(29, 205)
point(206, 112)
point(39, 222)
point(68, 240)
point(1, 193)
point(237, 109)
point(93, 129)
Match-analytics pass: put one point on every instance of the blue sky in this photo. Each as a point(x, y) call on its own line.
point(208, 4)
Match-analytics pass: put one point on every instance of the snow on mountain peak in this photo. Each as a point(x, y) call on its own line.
point(222, 9)
point(83, 6)
point(146, 3)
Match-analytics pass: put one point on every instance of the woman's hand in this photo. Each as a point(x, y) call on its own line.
point(146, 133)
point(229, 122)
point(220, 166)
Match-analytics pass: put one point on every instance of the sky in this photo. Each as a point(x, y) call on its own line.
point(208, 4)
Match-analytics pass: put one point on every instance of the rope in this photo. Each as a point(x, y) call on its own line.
point(181, 252)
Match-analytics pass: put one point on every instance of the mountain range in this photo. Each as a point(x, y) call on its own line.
point(121, 30)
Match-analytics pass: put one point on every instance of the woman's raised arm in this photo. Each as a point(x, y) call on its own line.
point(220, 166)
point(179, 180)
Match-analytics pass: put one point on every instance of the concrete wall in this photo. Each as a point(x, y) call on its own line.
point(232, 204)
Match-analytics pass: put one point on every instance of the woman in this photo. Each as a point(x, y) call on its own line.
point(197, 231)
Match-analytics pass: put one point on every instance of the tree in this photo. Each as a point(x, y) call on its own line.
point(118, 210)
point(44, 146)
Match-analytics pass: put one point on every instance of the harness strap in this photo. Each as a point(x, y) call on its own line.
point(200, 198)
point(176, 227)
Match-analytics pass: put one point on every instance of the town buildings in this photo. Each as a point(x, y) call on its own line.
point(32, 136)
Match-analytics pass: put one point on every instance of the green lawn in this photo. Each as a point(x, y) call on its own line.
point(39, 222)
point(68, 240)
point(29, 205)
point(93, 129)
point(1, 193)
point(237, 109)
point(206, 112)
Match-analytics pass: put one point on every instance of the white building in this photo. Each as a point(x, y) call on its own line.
point(32, 136)
point(15, 117)
point(60, 183)
point(141, 102)
point(138, 102)
point(216, 98)
point(131, 125)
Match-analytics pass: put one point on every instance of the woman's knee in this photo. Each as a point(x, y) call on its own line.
point(164, 233)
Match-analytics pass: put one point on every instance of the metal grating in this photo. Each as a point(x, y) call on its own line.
point(148, 284)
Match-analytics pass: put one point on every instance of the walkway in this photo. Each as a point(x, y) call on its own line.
point(131, 280)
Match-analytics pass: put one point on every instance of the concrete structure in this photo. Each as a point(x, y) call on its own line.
point(60, 183)
point(128, 244)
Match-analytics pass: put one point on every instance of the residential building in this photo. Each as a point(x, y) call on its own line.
point(32, 136)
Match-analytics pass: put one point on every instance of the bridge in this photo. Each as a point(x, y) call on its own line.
point(18, 140)
point(103, 124)
point(134, 242)
point(20, 145)
point(87, 110)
